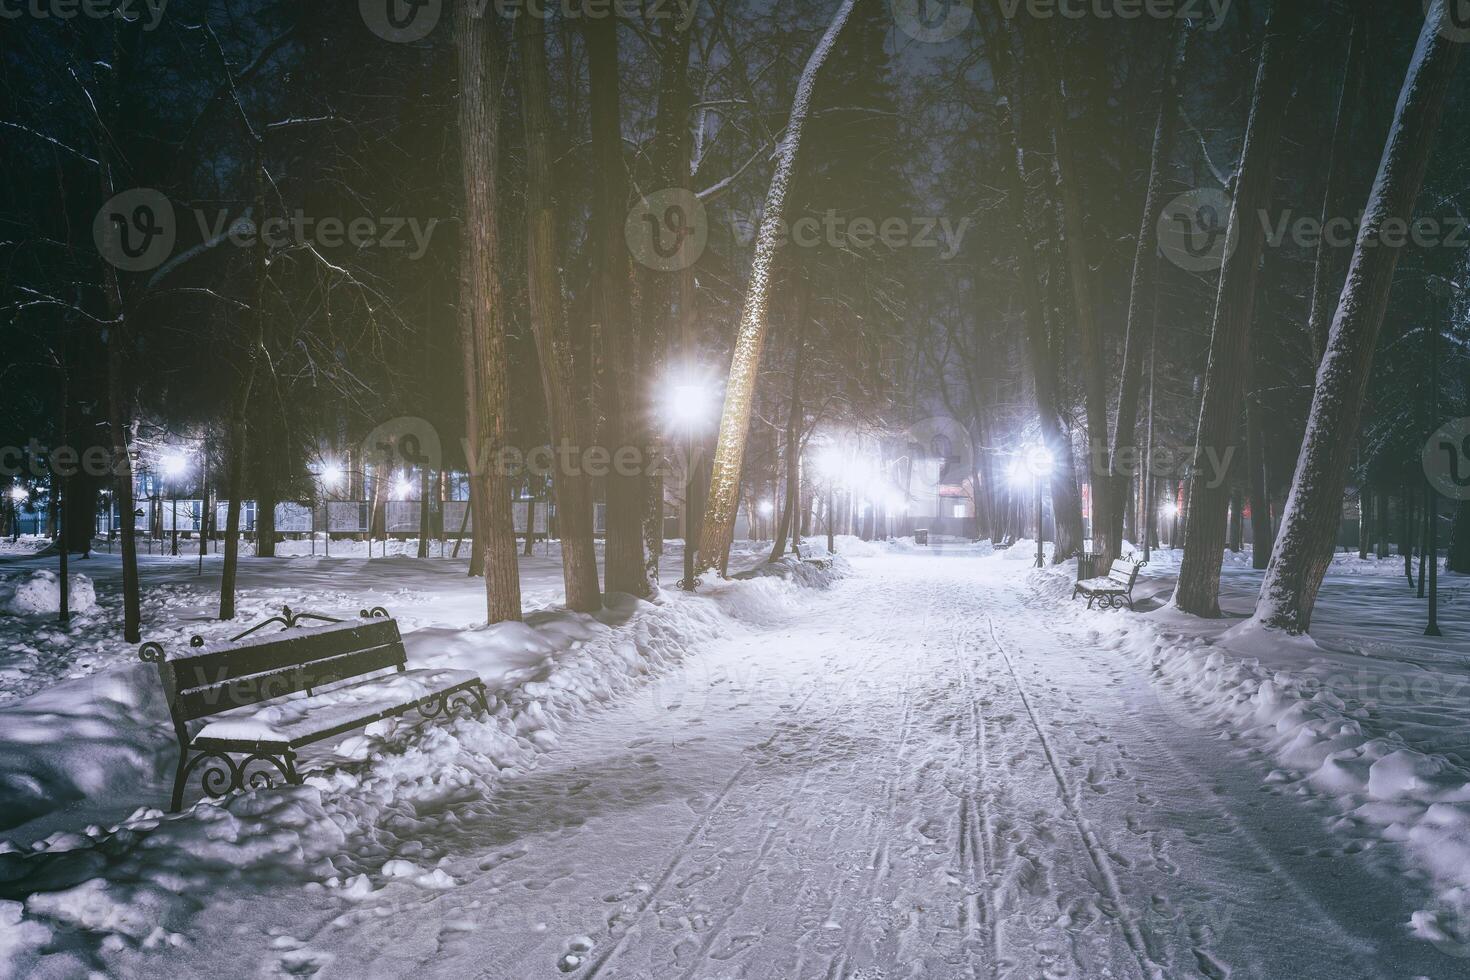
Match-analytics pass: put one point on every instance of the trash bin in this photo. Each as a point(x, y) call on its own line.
point(921, 535)
point(1087, 566)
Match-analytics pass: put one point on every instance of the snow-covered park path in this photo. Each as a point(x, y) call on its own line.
point(928, 772)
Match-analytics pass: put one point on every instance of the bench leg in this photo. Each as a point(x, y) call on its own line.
point(176, 803)
point(479, 690)
point(292, 776)
point(1091, 598)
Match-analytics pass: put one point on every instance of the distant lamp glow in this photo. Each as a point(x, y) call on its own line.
point(767, 508)
point(330, 475)
point(402, 488)
point(1170, 510)
point(173, 465)
point(831, 464)
point(19, 495)
point(1039, 461)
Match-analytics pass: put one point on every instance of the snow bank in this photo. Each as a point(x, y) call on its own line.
point(40, 594)
point(108, 737)
point(1326, 737)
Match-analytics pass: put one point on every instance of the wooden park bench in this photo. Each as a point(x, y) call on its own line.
point(1114, 589)
point(264, 696)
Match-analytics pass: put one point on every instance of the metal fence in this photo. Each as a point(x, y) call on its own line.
point(340, 517)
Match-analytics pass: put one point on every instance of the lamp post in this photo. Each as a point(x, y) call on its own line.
point(328, 476)
point(830, 465)
point(687, 406)
point(18, 496)
point(173, 465)
point(1035, 465)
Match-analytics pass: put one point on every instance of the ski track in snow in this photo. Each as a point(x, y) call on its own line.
point(928, 773)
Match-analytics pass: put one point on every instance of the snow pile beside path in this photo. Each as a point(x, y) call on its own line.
point(1322, 735)
point(40, 594)
point(365, 818)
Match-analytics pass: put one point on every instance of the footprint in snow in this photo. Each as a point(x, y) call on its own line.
point(576, 953)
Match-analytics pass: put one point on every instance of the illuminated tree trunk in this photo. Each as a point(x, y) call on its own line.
point(481, 81)
point(1198, 591)
point(620, 394)
point(724, 494)
point(1310, 520)
point(573, 490)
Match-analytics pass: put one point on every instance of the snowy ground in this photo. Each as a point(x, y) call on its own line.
point(935, 766)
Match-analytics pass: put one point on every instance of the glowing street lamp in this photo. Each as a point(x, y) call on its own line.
point(329, 474)
point(1035, 465)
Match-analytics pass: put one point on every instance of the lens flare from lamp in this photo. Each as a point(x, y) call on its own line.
point(688, 403)
point(330, 475)
point(402, 487)
point(767, 508)
point(19, 495)
point(173, 465)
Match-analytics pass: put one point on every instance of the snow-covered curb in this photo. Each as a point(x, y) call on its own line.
point(1384, 788)
point(108, 735)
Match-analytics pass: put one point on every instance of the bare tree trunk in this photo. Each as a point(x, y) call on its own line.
point(1310, 521)
point(1325, 272)
point(719, 522)
point(1365, 520)
point(1263, 537)
point(1089, 331)
point(481, 81)
point(624, 559)
point(794, 420)
point(1198, 591)
point(1143, 291)
point(1381, 518)
point(571, 487)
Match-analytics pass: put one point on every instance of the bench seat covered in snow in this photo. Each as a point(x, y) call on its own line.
point(264, 696)
point(1114, 589)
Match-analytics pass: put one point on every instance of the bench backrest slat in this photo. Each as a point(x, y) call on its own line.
point(265, 668)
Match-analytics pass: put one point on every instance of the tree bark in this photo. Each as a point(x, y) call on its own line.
point(481, 82)
point(1310, 520)
point(1198, 591)
point(1143, 291)
point(794, 420)
point(1326, 270)
point(571, 486)
point(724, 496)
point(617, 382)
point(1089, 331)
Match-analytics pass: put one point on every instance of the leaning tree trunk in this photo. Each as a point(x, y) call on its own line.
point(1310, 521)
point(571, 488)
point(1143, 294)
point(617, 382)
point(1198, 591)
point(724, 496)
point(481, 82)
